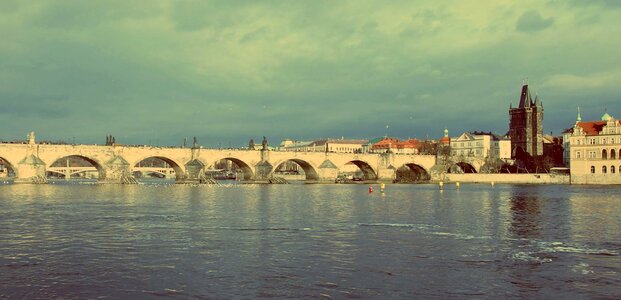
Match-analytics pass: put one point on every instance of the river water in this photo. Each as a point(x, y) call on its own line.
point(309, 241)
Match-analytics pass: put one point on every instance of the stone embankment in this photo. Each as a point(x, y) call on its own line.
point(507, 178)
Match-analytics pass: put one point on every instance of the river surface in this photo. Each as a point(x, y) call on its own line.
point(75, 241)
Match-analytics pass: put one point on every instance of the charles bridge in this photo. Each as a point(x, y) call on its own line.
point(116, 163)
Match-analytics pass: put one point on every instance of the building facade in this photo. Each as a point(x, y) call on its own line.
point(526, 125)
point(481, 145)
point(326, 145)
point(594, 149)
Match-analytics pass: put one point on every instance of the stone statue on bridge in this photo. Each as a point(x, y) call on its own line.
point(264, 143)
point(251, 145)
point(31, 138)
point(194, 142)
point(110, 140)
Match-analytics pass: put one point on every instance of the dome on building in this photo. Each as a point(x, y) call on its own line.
point(445, 140)
point(606, 117)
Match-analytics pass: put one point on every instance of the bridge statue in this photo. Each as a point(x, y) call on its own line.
point(251, 145)
point(31, 138)
point(264, 143)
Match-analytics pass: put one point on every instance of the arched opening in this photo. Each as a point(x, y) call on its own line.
point(230, 169)
point(6, 169)
point(411, 173)
point(604, 169)
point(75, 167)
point(157, 167)
point(604, 154)
point(356, 170)
point(592, 169)
point(296, 169)
point(612, 169)
point(613, 154)
point(461, 168)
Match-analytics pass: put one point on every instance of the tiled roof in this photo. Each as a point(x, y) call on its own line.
point(592, 128)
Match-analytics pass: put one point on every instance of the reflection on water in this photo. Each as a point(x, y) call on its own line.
point(69, 240)
point(525, 215)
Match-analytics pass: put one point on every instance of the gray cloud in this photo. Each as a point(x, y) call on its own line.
point(532, 21)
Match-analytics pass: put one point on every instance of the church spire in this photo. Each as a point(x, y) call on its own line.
point(579, 118)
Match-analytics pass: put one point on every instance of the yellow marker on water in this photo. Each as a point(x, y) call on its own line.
point(492, 183)
point(441, 185)
point(457, 185)
point(382, 187)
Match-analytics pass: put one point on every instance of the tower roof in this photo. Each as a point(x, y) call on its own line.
point(525, 98)
point(606, 117)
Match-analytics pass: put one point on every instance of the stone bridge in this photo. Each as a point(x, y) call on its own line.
point(114, 163)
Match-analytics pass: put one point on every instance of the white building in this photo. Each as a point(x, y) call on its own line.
point(327, 145)
point(481, 145)
point(594, 149)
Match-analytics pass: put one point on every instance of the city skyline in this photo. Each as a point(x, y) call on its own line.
point(228, 72)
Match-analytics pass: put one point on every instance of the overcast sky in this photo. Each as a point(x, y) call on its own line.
point(227, 71)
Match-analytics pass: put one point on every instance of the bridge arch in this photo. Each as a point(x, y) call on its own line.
point(58, 162)
point(411, 173)
point(179, 173)
point(368, 172)
point(246, 169)
point(310, 171)
point(7, 169)
point(461, 167)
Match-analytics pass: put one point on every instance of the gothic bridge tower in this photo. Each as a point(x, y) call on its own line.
point(526, 125)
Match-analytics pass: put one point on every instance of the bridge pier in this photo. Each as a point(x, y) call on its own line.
point(116, 170)
point(31, 169)
point(386, 172)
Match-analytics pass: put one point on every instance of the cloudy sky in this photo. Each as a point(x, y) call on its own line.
point(227, 71)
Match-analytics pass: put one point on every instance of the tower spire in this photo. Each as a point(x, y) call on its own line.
point(579, 118)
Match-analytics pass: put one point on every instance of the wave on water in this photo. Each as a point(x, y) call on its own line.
point(529, 257)
point(387, 225)
point(559, 247)
point(426, 229)
point(259, 228)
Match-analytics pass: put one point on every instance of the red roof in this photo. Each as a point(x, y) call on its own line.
point(411, 143)
point(592, 128)
point(383, 144)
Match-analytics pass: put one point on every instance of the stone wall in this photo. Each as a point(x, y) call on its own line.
point(596, 179)
point(509, 178)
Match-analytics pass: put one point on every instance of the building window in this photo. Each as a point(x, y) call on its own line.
point(612, 154)
point(604, 169)
point(612, 169)
point(592, 169)
point(604, 154)
point(577, 154)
